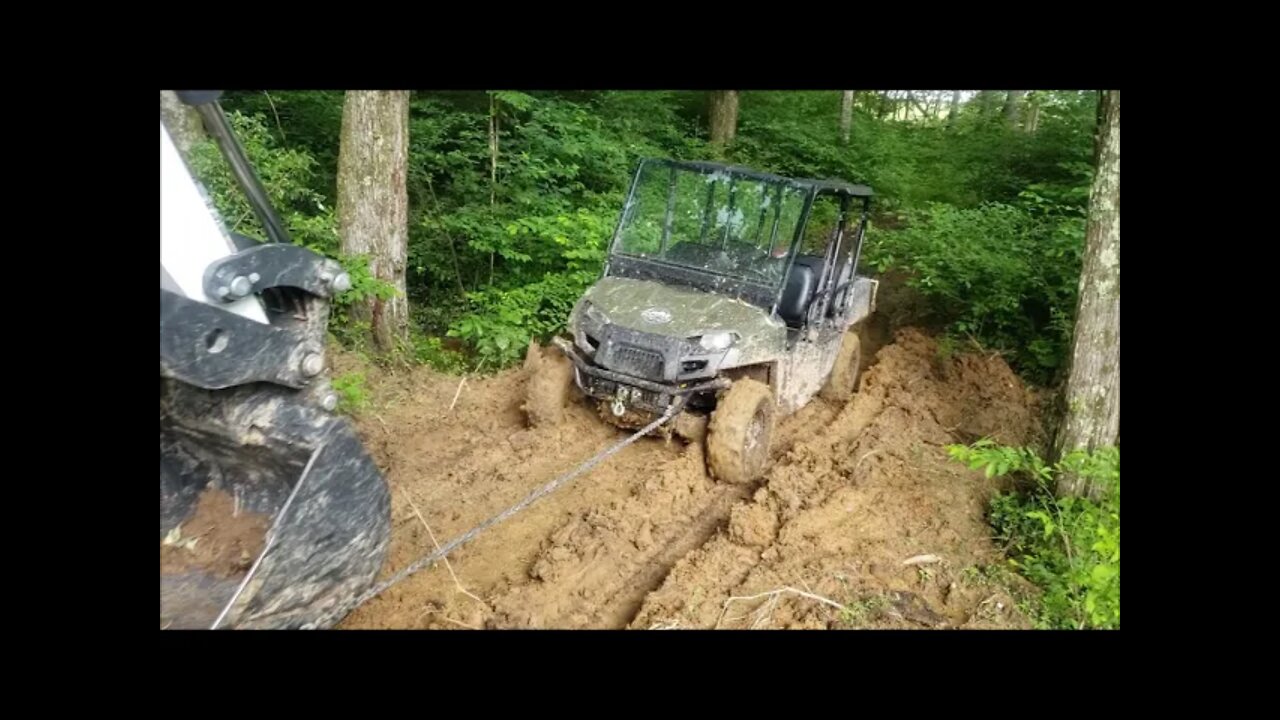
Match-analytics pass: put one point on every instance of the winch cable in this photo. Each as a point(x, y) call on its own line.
point(271, 538)
point(431, 558)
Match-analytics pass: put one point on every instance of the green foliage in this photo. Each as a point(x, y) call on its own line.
point(286, 174)
point(430, 350)
point(352, 396)
point(504, 321)
point(346, 327)
point(1002, 273)
point(1069, 546)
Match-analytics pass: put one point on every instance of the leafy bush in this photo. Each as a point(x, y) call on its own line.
point(1002, 273)
point(352, 396)
point(286, 175)
point(431, 351)
point(1069, 547)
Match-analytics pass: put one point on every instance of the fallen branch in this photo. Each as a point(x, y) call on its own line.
point(922, 560)
point(864, 457)
point(463, 381)
point(773, 596)
point(448, 566)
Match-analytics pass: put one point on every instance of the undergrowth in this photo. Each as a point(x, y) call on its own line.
point(1069, 547)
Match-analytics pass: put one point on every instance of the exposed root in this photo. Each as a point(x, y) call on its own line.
point(765, 610)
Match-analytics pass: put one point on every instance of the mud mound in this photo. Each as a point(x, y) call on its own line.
point(218, 538)
point(854, 501)
point(647, 539)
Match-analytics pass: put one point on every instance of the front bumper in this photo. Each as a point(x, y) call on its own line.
point(627, 390)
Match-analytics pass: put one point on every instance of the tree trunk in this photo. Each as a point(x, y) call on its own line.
point(1012, 99)
point(1033, 114)
point(182, 121)
point(987, 102)
point(373, 202)
point(724, 116)
point(955, 109)
point(846, 115)
point(1092, 418)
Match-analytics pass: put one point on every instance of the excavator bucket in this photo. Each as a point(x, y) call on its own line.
point(230, 460)
point(272, 514)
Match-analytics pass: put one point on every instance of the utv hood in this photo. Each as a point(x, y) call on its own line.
point(652, 307)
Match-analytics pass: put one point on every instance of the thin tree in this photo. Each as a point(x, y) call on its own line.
point(846, 115)
point(986, 102)
point(955, 109)
point(1033, 112)
point(1092, 418)
point(1012, 101)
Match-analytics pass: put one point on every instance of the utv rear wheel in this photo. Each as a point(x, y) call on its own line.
point(740, 431)
point(843, 382)
point(550, 380)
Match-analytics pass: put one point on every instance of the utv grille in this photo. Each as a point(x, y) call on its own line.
point(638, 361)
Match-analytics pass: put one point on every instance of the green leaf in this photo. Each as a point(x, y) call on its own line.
point(1101, 574)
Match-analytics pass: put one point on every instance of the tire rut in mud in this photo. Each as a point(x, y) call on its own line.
point(842, 511)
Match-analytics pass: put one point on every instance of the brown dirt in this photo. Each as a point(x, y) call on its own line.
point(225, 542)
point(648, 540)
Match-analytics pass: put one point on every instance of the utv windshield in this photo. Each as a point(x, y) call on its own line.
point(719, 222)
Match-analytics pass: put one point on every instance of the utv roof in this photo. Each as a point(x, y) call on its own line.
point(836, 187)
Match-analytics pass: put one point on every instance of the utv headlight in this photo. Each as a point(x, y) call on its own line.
point(595, 314)
point(716, 341)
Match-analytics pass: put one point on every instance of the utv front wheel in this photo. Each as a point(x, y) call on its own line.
point(550, 376)
point(740, 432)
point(843, 382)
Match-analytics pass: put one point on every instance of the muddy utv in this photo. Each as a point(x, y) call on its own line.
point(732, 291)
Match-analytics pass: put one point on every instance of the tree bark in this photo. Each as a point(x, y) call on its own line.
point(1033, 114)
point(724, 116)
point(373, 202)
point(846, 115)
point(1092, 418)
point(955, 109)
point(986, 102)
point(1012, 100)
point(182, 122)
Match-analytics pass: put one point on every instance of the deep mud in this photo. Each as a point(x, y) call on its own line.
point(648, 540)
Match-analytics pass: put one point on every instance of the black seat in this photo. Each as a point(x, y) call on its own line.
point(802, 284)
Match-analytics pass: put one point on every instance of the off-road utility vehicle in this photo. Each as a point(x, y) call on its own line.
point(731, 290)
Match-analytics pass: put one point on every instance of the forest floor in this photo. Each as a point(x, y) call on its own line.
point(862, 520)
